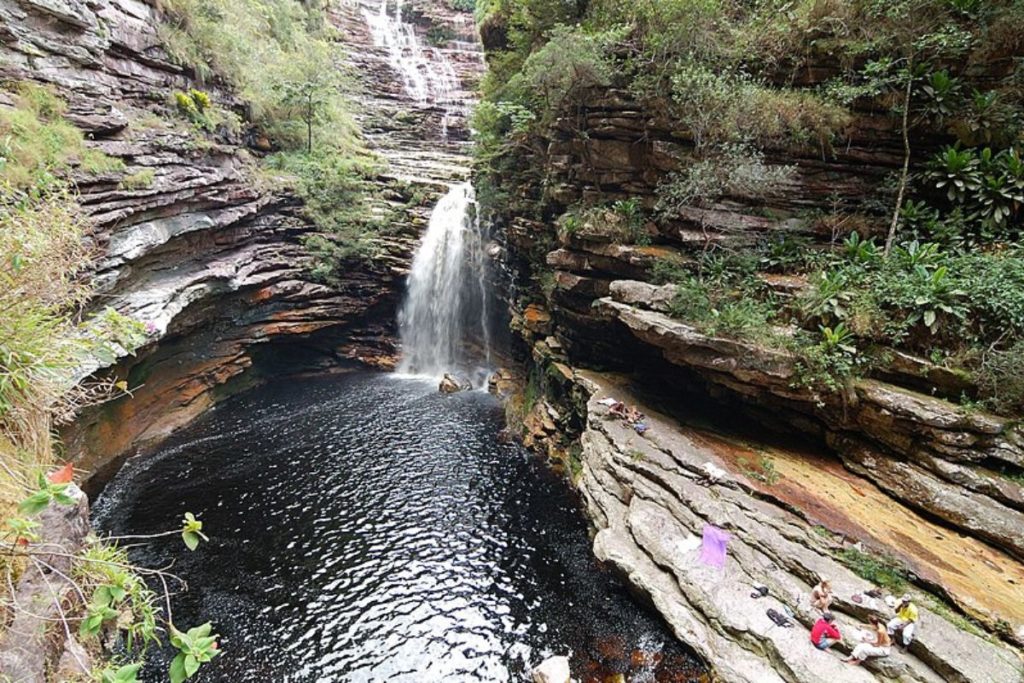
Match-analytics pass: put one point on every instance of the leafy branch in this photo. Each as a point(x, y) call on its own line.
point(110, 593)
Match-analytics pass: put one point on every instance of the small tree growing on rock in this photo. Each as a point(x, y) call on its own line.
point(309, 97)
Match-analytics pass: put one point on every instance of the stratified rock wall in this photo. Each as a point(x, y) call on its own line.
point(207, 255)
point(894, 446)
point(895, 429)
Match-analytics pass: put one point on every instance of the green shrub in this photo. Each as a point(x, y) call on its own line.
point(668, 270)
point(140, 180)
point(197, 107)
point(717, 307)
point(567, 66)
point(742, 317)
point(692, 300)
point(786, 253)
point(1000, 379)
point(987, 186)
point(733, 170)
point(38, 148)
point(921, 297)
point(720, 107)
point(828, 361)
point(621, 222)
point(880, 570)
point(994, 286)
point(337, 192)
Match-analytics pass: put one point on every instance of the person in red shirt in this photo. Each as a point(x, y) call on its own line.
point(824, 634)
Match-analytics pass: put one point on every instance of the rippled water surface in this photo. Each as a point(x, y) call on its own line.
point(367, 528)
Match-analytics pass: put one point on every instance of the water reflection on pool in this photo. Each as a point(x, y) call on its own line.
point(367, 528)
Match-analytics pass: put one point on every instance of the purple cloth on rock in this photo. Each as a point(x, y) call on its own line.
point(713, 546)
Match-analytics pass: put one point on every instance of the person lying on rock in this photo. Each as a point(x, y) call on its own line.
point(824, 634)
point(905, 620)
point(821, 596)
point(878, 646)
point(629, 414)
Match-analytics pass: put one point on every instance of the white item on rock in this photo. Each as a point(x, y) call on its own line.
point(552, 670)
point(714, 472)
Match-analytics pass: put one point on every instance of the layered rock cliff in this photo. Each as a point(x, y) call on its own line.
point(208, 252)
point(894, 428)
point(889, 464)
point(651, 498)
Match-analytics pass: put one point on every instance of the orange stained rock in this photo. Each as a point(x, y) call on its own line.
point(981, 579)
point(657, 251)
point(262, 294)
point(535, 314)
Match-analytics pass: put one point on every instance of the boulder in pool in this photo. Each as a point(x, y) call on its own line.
point(450, 384)
point(552, 670)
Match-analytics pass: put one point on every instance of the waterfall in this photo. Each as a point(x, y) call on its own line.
point(427, 74)
point(445, 313)
point(443, 321)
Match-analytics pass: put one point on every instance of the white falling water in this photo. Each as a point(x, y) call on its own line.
point(427, 74)
point(445, 308)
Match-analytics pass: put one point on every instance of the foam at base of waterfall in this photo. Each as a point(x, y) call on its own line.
point(478, 378)
point(445, 307)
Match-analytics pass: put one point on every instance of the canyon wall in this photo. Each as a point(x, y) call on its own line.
point(894, 427)
point(895, 444)
point(209, 255)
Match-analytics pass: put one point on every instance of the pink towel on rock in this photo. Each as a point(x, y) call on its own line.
point(713, 546)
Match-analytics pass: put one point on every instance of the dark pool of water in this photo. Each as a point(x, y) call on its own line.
point(367, 528)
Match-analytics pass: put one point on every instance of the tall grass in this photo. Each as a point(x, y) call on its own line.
point(45, 334)
point(37, 146)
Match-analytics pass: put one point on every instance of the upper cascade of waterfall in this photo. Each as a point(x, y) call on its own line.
point(427, 73)
point(443, 321)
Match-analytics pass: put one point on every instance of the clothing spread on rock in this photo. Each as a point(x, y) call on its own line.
point(713, 546)
point(823, 629)
point(864, 651)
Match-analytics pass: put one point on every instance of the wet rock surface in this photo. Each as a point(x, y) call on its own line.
point(452, 384)
point(870, 432)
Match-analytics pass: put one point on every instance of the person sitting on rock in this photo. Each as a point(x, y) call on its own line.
point(878, 647)
point(824, 634)
point(821, 596)
point(905, 620)
point(618, 409)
